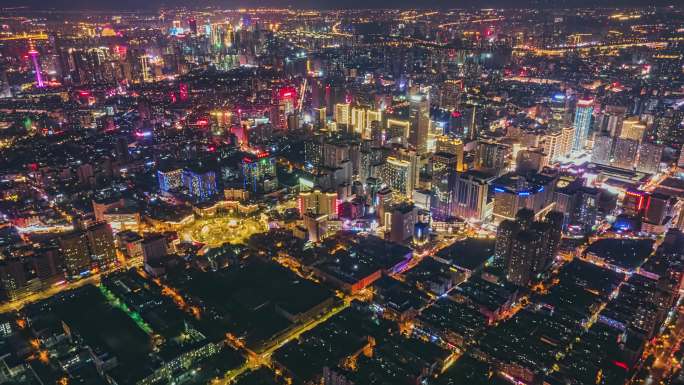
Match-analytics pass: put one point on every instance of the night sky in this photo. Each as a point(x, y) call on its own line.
point(329, 4)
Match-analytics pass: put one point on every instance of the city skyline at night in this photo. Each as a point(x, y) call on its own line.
point(341, 193)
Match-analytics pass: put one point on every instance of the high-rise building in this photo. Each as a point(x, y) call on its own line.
point(170, 180)
point(419, 117)
point(634, 202)
point(74, 247)
point(259, 173)
point(649, 157)
point(603, 149)
point(658, 208)
point(624, 153)
point(397, 174)
point(200, 183)
point(443, 177)
point(560, 112)
point(470, 195)
point(453, 146)
point(403, 220)
point(492, 156)
point(612, 121)
point(397, 131)
point(633, 129)
point(582, 123)
point(342, 115)
point(527, 246)
point(567, 141)
point(317, 201)
point(551, 144)
point(513, 192)
point(101, 244)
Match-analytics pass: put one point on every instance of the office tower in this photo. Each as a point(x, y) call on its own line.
point(624, 153)
point(33, 54)
point(649, 157)
point(403, 220)
point(170, 180)
point(492, 156)
point(633, 129)
point(453, 146)
point(74, 247)
point(101, 244)
point(199, 183)
point(384, 199)
point(612, 121)
point(522, 258)
point(450, 94)
point(316, 226)
point(514, 192)
point(582, 123)
point(470, 122)
point(419, 117)
point(286, 105)
point(560, 112)
point(317, 201)
point(259, 173)
point(603, 148)
point(443, 177)
point(470, 195)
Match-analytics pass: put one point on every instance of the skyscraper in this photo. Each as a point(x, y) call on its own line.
point(443, 177)
point(582, 123)
point(603, 148)
point(649, 157)
point(199, 183)
point(624, 153)
point(419, 117)
point(470, 195)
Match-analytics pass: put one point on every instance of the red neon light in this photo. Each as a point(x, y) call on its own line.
point(202, 122)
point(621, 365)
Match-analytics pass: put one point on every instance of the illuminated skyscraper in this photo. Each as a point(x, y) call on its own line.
point(419, 116)
point(259, 173)
point(582, 124)
point(318, 202)
point(200, 184)
point(33, 54)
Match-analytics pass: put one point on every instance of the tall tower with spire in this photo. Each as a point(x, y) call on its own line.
point(33, 54)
